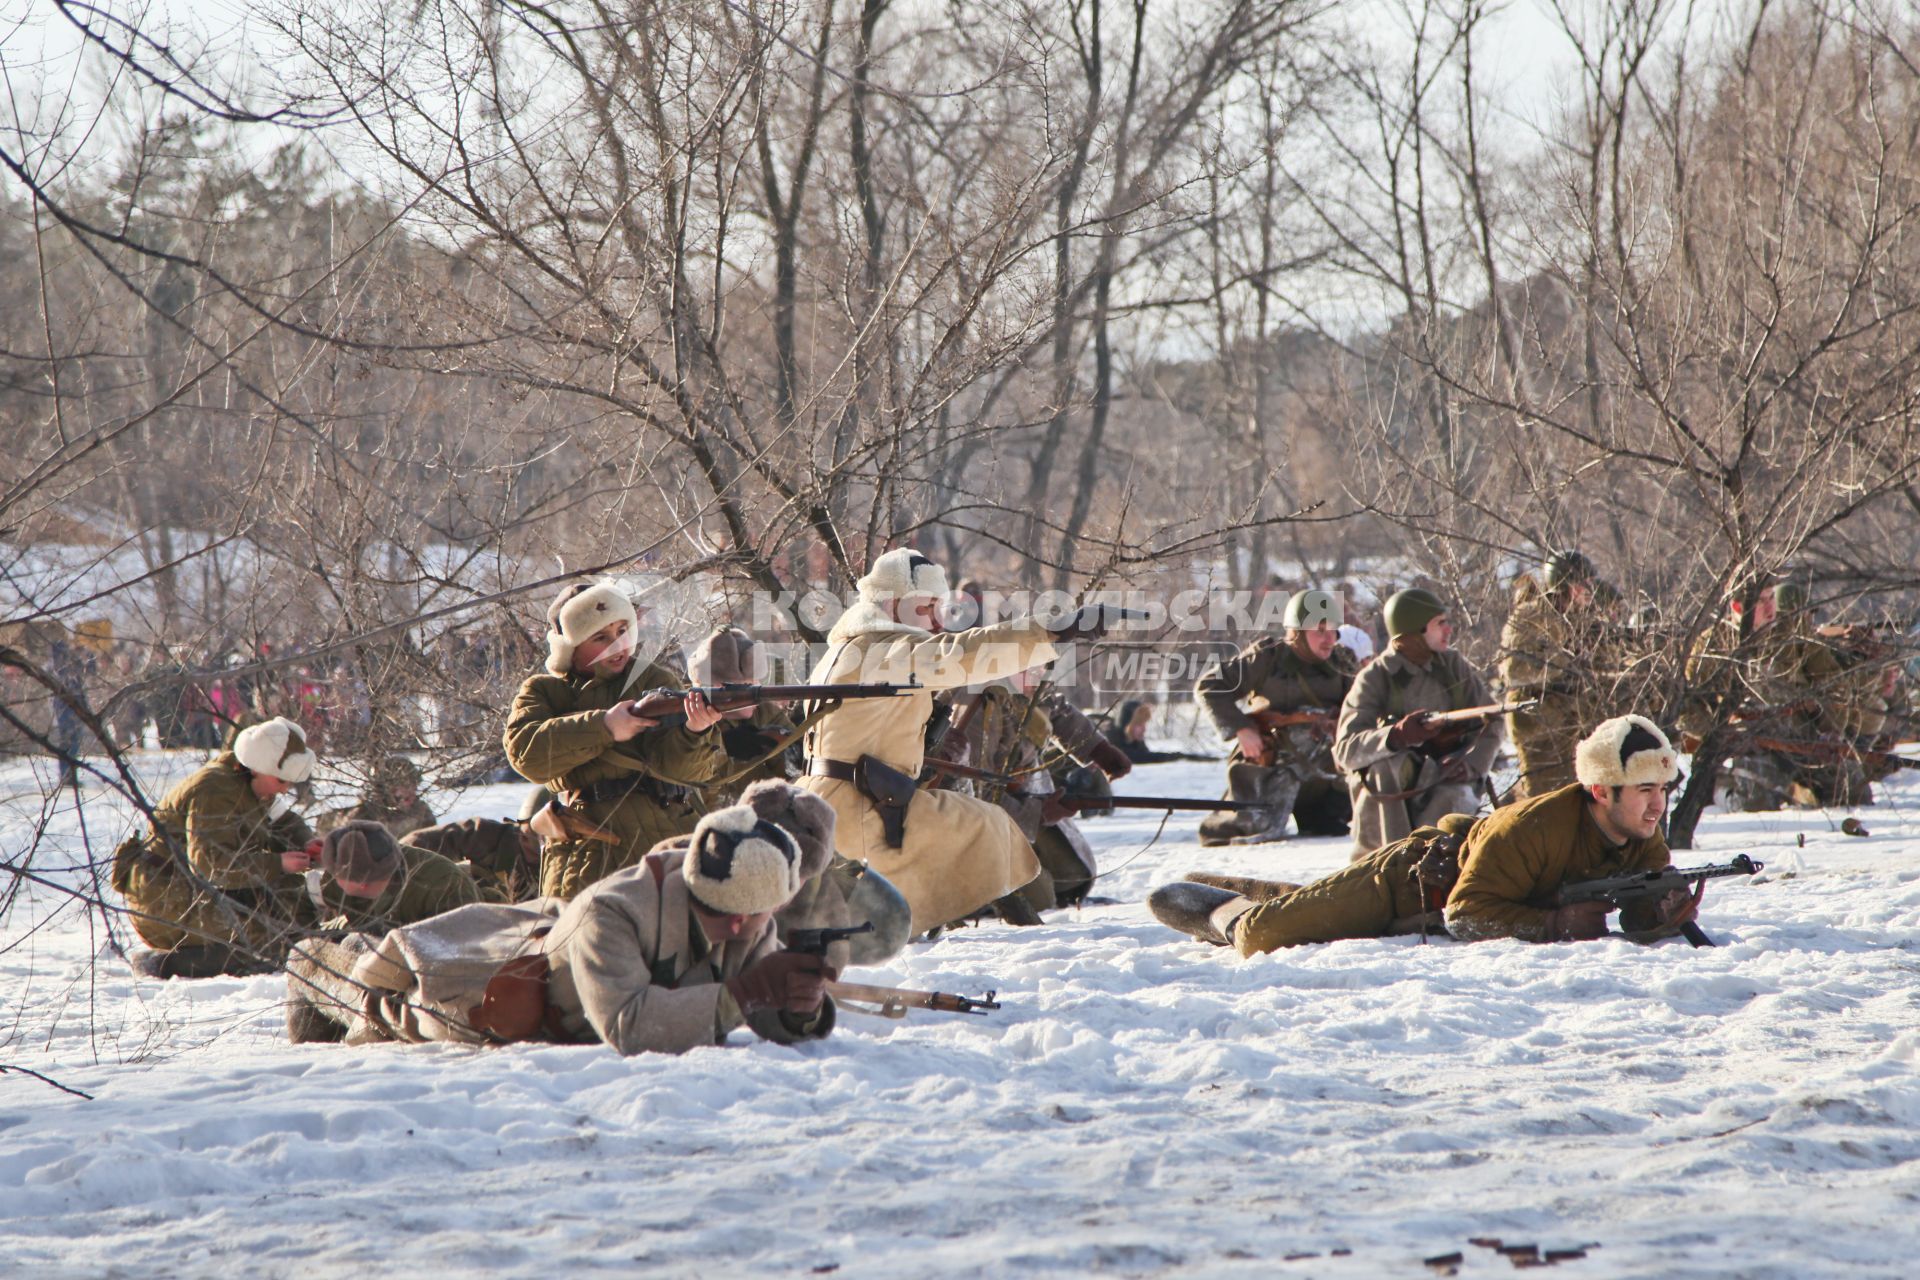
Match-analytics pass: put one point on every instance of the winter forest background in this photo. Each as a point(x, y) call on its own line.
point(332, 335)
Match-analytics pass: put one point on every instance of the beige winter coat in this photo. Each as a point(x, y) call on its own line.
point(1387, 689)
point(629, 966)
point(959, 853)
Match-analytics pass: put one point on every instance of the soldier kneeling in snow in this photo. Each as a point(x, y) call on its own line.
point(216, 887)
point(664, 956)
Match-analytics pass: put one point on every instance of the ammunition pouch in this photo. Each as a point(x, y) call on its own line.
point(937, 726)
point(514, 1005)
point(546, 823)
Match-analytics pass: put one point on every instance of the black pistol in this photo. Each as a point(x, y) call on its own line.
point(814, 942)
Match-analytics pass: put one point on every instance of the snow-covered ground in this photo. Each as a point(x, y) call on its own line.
point(1142, 1105)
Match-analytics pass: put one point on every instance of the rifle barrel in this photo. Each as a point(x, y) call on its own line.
point(742, 695)
point(894, 1002)
point(1160, 802)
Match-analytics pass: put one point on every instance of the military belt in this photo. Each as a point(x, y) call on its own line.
point(613, 790)
point(839, 770)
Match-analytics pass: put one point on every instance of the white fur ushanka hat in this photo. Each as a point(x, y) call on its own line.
point(277, 748)
point(739, 864)
point(900, 573)
point(1626, 751)
point(579, 611)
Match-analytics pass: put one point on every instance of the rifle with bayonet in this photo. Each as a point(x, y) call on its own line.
point(893, 1002)
point(885, 1002)
point(1652, 886)
point(1092, 621)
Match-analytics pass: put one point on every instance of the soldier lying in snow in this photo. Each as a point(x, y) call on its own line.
point(1511, 866)
point(1399, 888)
point(661, 957)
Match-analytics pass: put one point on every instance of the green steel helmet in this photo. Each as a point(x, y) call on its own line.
point(1568, 566)
point(1790, 595)
point(1313, 608)
point(1408, 612)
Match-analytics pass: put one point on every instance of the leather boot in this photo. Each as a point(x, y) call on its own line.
point(211, 961)
point(1015, 908)
point(1246, 886)
point(1200, 910)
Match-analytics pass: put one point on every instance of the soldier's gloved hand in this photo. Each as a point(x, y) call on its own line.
point(1111, 760)
point(785, 980)
point(1454, 769)
point(1413, 730)
point(1054, 810)
point(1578, 922)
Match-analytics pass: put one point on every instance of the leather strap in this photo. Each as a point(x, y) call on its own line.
point(839, 770)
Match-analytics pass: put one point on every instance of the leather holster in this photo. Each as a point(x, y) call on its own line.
point(891, 791)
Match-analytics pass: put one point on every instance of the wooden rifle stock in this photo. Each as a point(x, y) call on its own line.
point(1473, 717)
point(658, 704)
point(1271, 724)
point(560, 823)
point(893, 1002)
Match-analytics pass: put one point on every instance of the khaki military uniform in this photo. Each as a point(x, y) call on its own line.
point(627, 964)
point(1380, 895)
point(959, 853)
point(1270, 675)
point(230, 841)
point(1387, 689)
point(641, 791)
point(1782, 664)
point(1516, 859)
point(1009, 733)
point(426, 885)
point(1556, 655)
point(492, 852)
